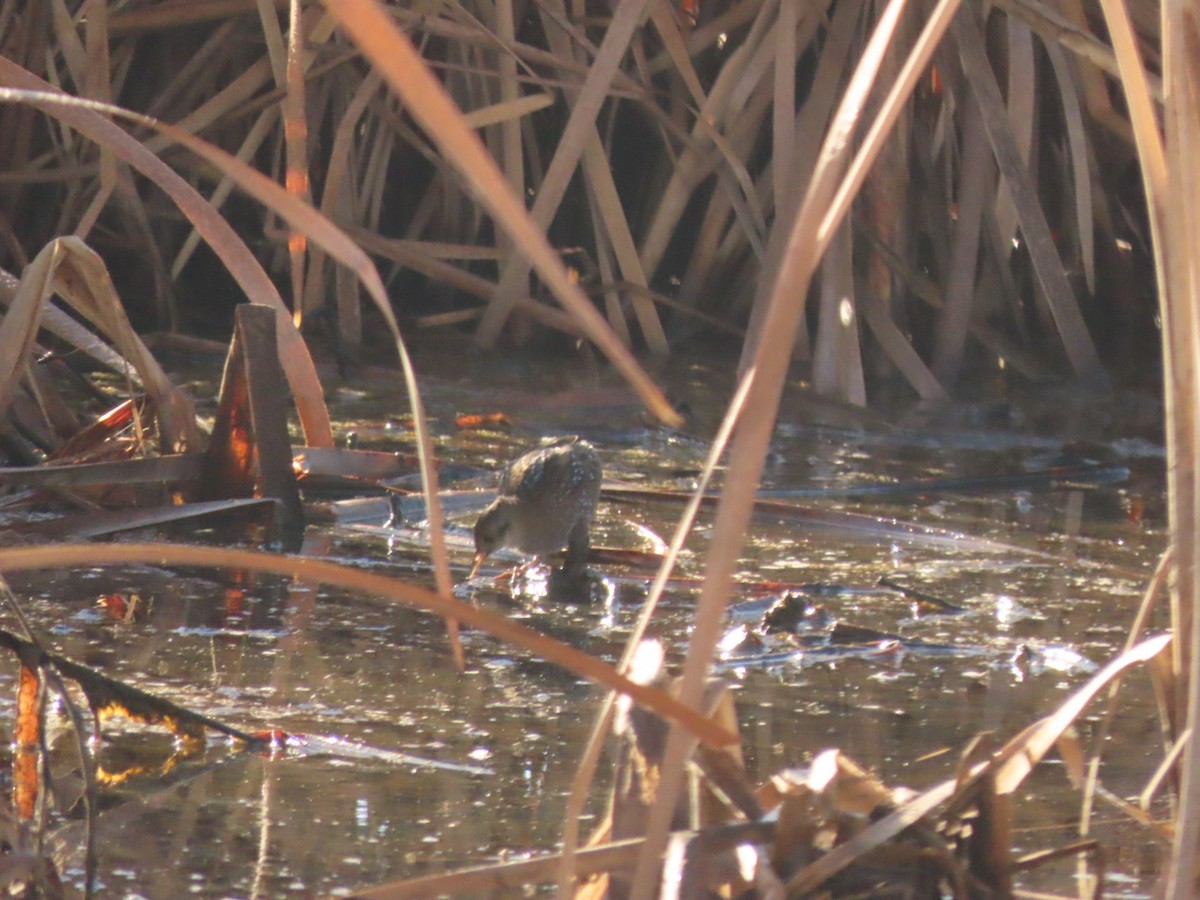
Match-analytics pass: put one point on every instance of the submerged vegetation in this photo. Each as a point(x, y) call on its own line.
point(919, 199)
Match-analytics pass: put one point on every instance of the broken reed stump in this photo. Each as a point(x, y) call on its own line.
point(250, 454)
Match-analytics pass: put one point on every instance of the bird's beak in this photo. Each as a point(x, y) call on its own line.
point(479, 558)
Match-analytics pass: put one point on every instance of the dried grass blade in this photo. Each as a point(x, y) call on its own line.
point(75, 271)
point(179, 13)
point(496, 877)
point(608, 273)
point(581, 784)
point(809, 127)
point(1055, 26)
point(959, 297)
point(73, 53)
point(771, 361)
point(180, 467)
point(1081, 170)
point(1009, 767)
point(841, 856)
point(837, 356)
point(902, 353)
point(663, 17)
point(393, 54)
point(253, 140)
point(610, 223)
point(1151, 153)
point(101, 523)
point(508, 111)
point(1179, 286)
point(67, 329)
point(616, 226)
point(695, 162)
point(295, 131)
point(336, 198)
point(19, 328)
point(709, 34)
point(98, 87)
point(20, 559)
point(1022, 753)
point(237, 92)
point(742, 196)
point(277, 54)
point(783, 126)
point(510, 91)
point(576, 136)
point(1022, 100)
point(82, 279)
point(1043, 254)
point(229, 248)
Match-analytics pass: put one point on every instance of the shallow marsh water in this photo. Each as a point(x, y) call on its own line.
point(263, 653)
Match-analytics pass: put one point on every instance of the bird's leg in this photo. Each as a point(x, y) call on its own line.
point(575, 562)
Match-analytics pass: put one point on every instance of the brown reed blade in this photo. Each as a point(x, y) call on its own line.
point(1047, 264)
point(394, 55)
point(302, 377)
point(374, 585)
point(295, 131)
point(1179, 286)
point(821, 213)
point(1081, 168)
point(69, 267)
point(579, 133)
point(976, 185)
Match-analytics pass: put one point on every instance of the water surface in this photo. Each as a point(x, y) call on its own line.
point(264, 653)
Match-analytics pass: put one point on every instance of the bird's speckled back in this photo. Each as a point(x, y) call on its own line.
point(554, 487)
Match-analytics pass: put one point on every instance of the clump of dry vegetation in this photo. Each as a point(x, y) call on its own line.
point(879, 190)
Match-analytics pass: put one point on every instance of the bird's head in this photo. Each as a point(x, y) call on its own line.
point(491, 531)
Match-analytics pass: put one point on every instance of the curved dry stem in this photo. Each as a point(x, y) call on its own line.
point(301, 216)
point(85, 117)
point(393, 55)
point(57, 556)
point(770, 363)
point(591, 754)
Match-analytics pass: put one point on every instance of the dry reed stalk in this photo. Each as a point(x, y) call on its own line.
point(837, 358)
point(316, 571)
point(613, 234)
point(698, 159)
point(975, 183)
point(258, 133)
point(196, 75)
point(770, 367)
point(1067, 27)
point(338, 201)
point(1021, 105)
point(586, 770)
point(718, 245)
point(580, 131)
point(229, 248)
point(811, 122)
point(1008, 767)
point(1179, 289)
point(396, 58)
point(295, 130)
point(1047, 265)
point(1081, 167)
point(783, 133)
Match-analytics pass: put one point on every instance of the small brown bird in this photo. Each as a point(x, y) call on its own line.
point(546, 501)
